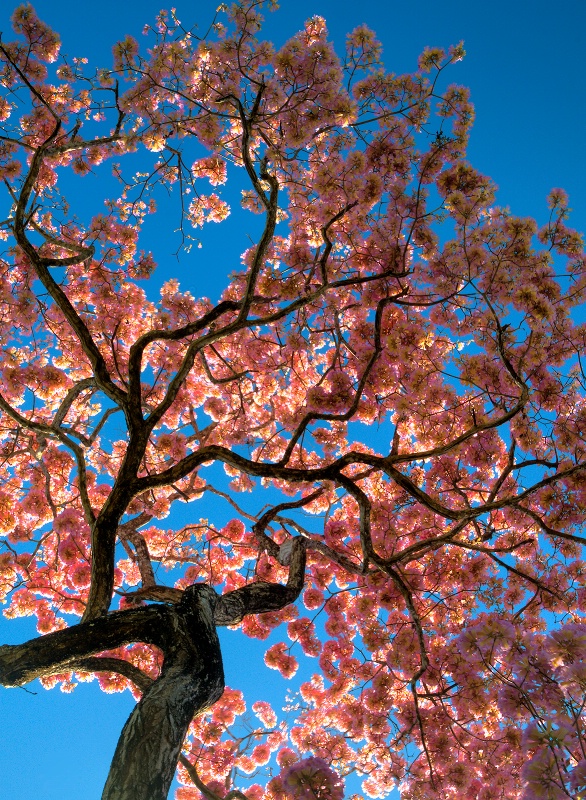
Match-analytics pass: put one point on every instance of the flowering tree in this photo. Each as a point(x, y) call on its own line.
point(394, 375)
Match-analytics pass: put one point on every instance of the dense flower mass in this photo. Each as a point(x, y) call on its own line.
point(312, 779)
point(385, 408)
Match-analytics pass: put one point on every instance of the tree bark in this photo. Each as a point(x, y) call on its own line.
point(58, 651)
point(192, 679)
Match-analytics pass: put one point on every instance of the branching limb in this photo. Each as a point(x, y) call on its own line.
point(177, 334)
point(95, 664)
point(365, 508)
point(541, 586)
point(55, 432)
point(548, 529)
point(270, 203)
point(81, 252)
point(128, 531)
point(233, 794)
point(259, 528)
point(366, 372)
point(256, 598)
point(55, 652)
point(41, 264)
point(70, 398)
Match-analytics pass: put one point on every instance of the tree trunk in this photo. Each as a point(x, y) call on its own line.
point(192, 679)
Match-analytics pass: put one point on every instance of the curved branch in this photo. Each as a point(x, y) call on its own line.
point(55, 652)
point(548, 529)
point(129, 532)
point(365, 508)
point(254, 598)
point(107, 664)
point(257, 598)
point(265, 520)
point(55, 432)
point(41, 264)
point(138, 348)
point(233, 794)
point(70, 398)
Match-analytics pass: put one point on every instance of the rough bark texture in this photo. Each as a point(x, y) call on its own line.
point(56, 652)
point(192, 680)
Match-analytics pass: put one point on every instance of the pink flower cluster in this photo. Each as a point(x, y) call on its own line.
point(312, 779)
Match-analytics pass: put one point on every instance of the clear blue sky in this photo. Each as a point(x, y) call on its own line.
point(525, 68)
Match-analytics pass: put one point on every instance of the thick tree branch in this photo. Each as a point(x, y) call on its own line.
point(41, 264)
point(259, 597)
point(177, 334)
point(54, 652)
point(254, 598)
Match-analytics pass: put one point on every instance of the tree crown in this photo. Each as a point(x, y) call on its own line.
point(437, 552)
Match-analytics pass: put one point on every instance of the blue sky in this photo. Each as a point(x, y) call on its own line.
point(526, 71)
